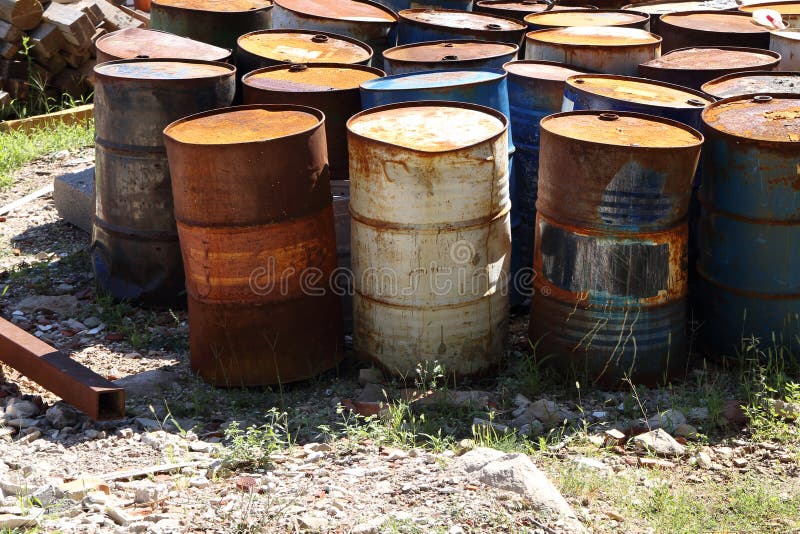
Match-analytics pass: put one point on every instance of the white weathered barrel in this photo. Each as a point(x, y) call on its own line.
point(431, 235)
point(787, 44)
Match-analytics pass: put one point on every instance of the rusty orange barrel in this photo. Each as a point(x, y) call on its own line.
point(253, 206)
point(135, 252)
point(457, 54)
point(431, 235)
point(753, 83)
point(711, 28)
point(583, 17)
point(332, 88)
point(606, 49)
point(656, 8)
point(140, 43)
point(610, 258)
point(517, 9)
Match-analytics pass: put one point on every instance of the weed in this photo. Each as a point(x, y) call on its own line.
point(252, 447)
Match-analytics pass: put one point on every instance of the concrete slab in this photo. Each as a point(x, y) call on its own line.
point(73, 194)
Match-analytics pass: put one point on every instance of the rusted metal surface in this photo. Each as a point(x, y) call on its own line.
point(753, 83)
point(789, 11)
point(421, 25)
point(458, 54)
point(460, 5)
point(517, 9)
point(711, 28)
point(583, 17)
point(139, 43)
point(692, 67)
point(535, 90)
point(81, 387)
point(430, 256)
point(259, 249)
point(367, 21)
point(267, 48)
point(750, 223)
point(598, 4)
point(341, 219)
point(333, 88)
point(610, 257)
point(787, 44)
point(211, 21)
point(656, 8)
point(599, 49)
point(135, 250)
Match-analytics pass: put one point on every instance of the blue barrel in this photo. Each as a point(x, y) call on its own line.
point(750, 224)
point(420, 25)
point(456, 54)
point(535, 90)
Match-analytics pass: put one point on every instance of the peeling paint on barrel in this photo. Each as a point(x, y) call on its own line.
point(259, 249)
point(456, 54)
point(422, 25)
point(753, 83)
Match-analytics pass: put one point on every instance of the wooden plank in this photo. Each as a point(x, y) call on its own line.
point(13, 69)
point(24, 14)
point(8, 50)
point(73, 23)
point(138, 15)
point(77, 115)
point(47, 40)
point(114, 18)
point(9, 32)
point(8, 208)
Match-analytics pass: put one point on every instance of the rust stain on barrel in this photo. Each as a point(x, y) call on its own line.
point(294, 46)
point(133, 43)
point(340, 9)
point(459, 49)
point(223, 6)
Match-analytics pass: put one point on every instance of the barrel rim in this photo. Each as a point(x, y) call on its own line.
point(786, 30)
point(121, 30)
point(532, 37)
point(287, 66)
point(745, 74)
point(699, 137)
point(430, 103)
point(402, 16)
point(731, 99)
point(514, 47)
point(762, 5)
point(382, 7)
point(543, 62)
point(775, 56)
point(155, 3)
point(269, 107)
point(338, 36)
point(502, 75)
point(103, 75)
point(706, 12)
point(665, 2)
point(646, 16)
point(570, 82)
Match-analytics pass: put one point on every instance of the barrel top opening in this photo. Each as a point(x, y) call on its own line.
point(461, 19)
point(541, 70)
point(233, 6)
point(241, 126)
point(162, 70)
point(619, 129)
point(295, 47)
point(753, 82)
point(639, 90)
point(584, 18)
point(784, 8)
point(431, 79)
point(759, 117)
point(427, 128)
point(340, 10)
point(312, 78)
point(462, 49)
point(595, 36)
point(131, 43)
point(727, 22)
point(711, 59)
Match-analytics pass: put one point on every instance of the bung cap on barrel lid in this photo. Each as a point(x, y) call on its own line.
point(760, 117)
point(158, 69)
point(220, 6)
point(541, 70)
point(432, 79)
point(304, 46)
point(753, 82)
point(713, 58)
point(621, 129)
point(722, 21)
point(352, 10)
point(132, 43)
point(310, 78)
point(594, 36)
point(455, 50)
point(639, 90)
point(243, 124)
point(557, 19)
point(451, 18)
point(436, 127)
point(784, 8)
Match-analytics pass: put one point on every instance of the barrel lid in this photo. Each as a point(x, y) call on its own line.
point(788, 33)
point(133, 43)
point(708, 21)
point(455, 50)
point(621, 129)
point(310, 78)
point(541, 70)
point(304, 46)
point(784, 8)
point(584, 17)
point(353, 10)
point(432, 79)
point(760, 117)
point(524, 6)
point(664, 7)
point(594, 36)
point(245, 124)
point(712, 58)
point(162, 70)
point(231, 6)
point(427, 128)
point(452, 18)
point(639, 91)
point(753, 82)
